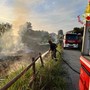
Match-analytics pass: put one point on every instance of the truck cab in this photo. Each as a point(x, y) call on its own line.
point(70, 40)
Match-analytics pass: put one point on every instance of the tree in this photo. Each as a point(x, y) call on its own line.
point(4, 27)
point(78, 30)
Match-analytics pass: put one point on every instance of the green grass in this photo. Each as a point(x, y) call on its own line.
point(50, 77)
point(20, 84)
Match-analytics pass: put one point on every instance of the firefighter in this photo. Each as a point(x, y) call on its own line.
point(53, 50)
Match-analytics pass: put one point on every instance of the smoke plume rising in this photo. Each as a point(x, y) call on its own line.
point(11, 40)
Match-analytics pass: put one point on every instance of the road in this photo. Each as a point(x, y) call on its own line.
point(72, 57)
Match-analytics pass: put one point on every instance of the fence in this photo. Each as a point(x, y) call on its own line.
point(40, 57)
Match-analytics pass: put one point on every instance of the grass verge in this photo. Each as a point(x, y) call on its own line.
point(53, 75)
point(50, 77)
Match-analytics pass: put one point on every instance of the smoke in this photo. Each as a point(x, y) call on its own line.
point(21, 13)
point(21, 16)
point(11, 40)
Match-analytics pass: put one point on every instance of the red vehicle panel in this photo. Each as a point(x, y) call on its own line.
point(84, 80)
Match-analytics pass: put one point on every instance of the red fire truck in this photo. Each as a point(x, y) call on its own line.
point(70, 40)
point(84, 81)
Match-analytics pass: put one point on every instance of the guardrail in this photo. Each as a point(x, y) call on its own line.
point(9, 84)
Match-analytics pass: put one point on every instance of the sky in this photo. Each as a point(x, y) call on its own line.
point(47, 15)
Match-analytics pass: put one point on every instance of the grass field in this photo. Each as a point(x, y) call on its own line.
point(50, 77)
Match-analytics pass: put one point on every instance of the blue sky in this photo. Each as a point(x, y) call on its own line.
point(48, 15)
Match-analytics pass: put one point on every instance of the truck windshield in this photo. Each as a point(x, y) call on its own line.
point(71, 37)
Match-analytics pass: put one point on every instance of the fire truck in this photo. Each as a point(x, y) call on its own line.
point(84, 81)
point(70, 40)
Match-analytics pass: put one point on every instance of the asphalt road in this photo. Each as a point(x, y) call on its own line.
point(72, 58)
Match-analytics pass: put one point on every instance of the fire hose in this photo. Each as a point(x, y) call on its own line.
point(68, 64)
